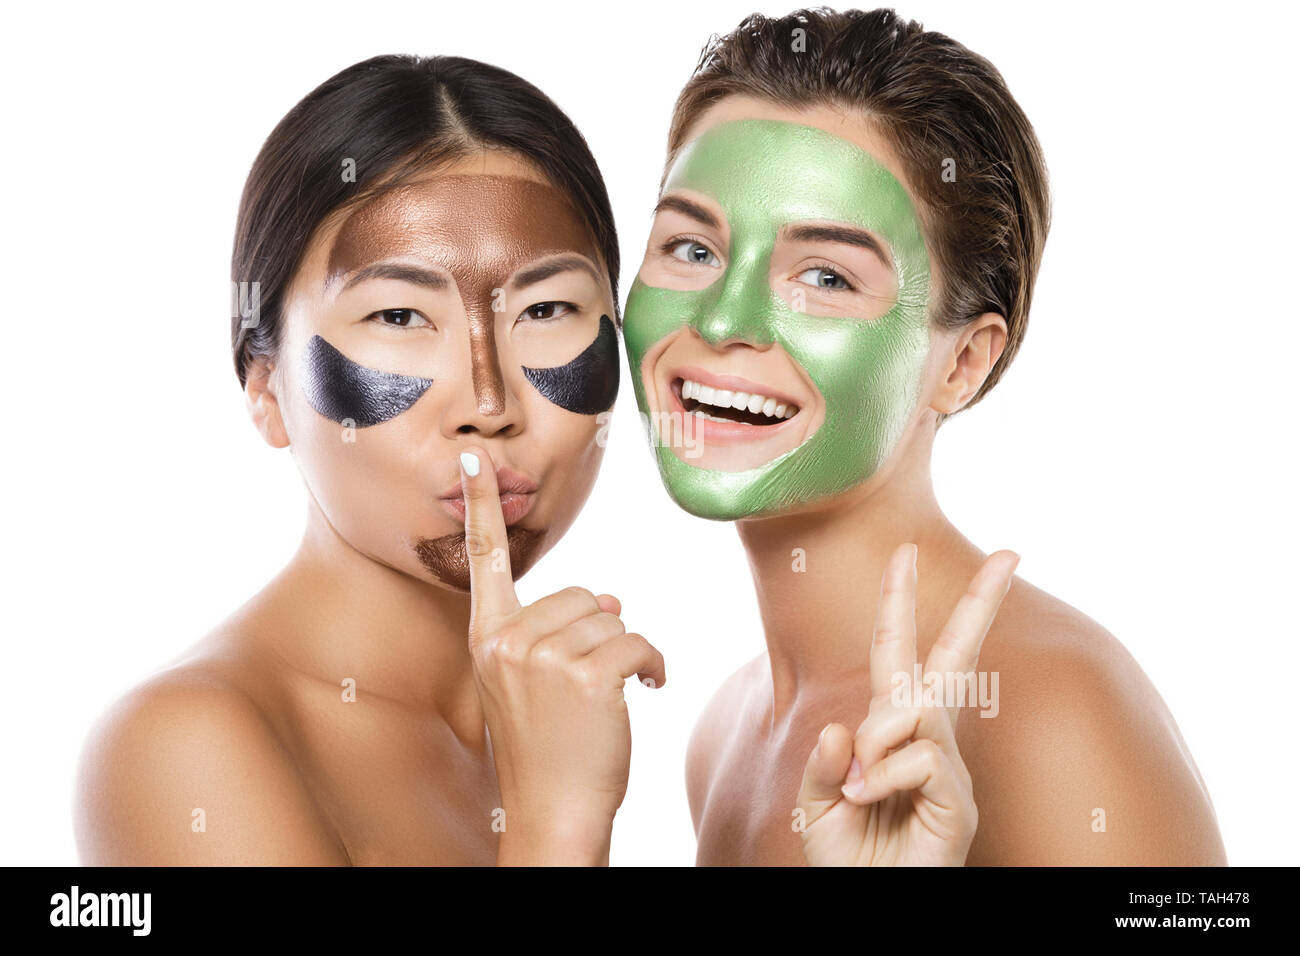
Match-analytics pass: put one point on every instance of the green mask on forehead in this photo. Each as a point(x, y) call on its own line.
point(766, 175)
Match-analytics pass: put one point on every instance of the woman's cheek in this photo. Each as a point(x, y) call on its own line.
point(362, 481)
point(572, 447)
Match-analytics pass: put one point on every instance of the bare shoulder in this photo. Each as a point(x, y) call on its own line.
point(186, 768)
point(716, 725)
point(1078, 761)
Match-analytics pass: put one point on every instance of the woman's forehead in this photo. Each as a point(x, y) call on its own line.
point(766, 175)
point(462, 222)
point(847, 123)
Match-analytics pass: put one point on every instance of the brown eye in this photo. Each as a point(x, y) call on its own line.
point(547, 310)
point(402, 318)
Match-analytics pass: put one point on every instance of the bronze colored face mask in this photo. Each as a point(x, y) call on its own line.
point(446, 559)
point(480, 229)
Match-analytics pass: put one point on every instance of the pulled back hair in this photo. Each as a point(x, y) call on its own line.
point(392, 116)
point(941, 107)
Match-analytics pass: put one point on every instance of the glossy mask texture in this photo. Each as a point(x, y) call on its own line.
point(446, 559)
point(344, 391)
point(588, 384)
point(491, 241)
point(481, 229)
point(767, 175)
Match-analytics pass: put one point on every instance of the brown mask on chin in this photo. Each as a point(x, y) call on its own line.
point(446, 559)
point(481, 229)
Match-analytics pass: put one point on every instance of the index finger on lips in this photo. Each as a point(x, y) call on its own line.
point(492, 587)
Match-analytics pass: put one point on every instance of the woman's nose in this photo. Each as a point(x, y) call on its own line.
point(741, 308)
point(485, 370)
point(479, 401)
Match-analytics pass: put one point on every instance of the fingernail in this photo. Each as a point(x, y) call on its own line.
point(915, 551)
point(469, 461)
point(820, 738)
point(853, 782)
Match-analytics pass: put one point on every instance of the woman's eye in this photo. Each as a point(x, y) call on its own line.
point(547, 310)
point(823, 278)
point(403, 318)
point(695, 253)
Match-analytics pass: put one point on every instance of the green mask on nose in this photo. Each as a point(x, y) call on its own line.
point(766, 175)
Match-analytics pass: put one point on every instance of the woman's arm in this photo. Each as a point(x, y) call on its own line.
point(1084, 766)
point(187, 771)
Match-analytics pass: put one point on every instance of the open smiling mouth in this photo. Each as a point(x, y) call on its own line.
point(731, 407)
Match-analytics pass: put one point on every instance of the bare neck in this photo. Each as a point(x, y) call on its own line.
point(342, 614)
point(818, 573)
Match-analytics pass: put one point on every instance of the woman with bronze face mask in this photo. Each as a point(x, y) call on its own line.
point(425, 274)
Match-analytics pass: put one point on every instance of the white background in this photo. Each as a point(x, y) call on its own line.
point(1139, 454)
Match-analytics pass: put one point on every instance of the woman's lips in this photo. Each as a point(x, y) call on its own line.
point(517, 493)
point(732, 383)
point(705, 431)
point(514, 505)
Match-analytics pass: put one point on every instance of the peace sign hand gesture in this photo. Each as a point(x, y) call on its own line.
point(897, 793)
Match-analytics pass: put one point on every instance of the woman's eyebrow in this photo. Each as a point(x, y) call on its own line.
point(688, 208)
point(848, 235)
point(401, 271)
point(553, 266)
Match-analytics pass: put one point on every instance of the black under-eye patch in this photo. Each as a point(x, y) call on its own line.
point(342, 390)
point(588, 384)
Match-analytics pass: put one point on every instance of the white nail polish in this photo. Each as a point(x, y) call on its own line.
point(469, 461)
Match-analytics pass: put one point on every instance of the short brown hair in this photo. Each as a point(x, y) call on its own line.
point(934, 101)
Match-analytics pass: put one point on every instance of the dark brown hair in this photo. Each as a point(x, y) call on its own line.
point(393, 116)
point(934, 101)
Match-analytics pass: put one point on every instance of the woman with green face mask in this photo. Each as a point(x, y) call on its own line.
point(851, 219)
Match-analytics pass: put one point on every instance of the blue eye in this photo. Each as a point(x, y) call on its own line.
point(823, 278)
point(402, 318)
point(693, 252)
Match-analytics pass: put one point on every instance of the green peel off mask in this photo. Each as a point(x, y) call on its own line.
point(767, 175)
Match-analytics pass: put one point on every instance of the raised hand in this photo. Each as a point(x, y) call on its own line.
point(550, 677)
point(897, 793)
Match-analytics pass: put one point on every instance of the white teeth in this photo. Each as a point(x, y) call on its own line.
point(725, 398)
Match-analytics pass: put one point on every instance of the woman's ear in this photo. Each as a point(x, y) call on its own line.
point(975, 350)
point(263, 407)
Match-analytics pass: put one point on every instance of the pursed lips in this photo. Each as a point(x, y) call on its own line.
point(516, 490)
